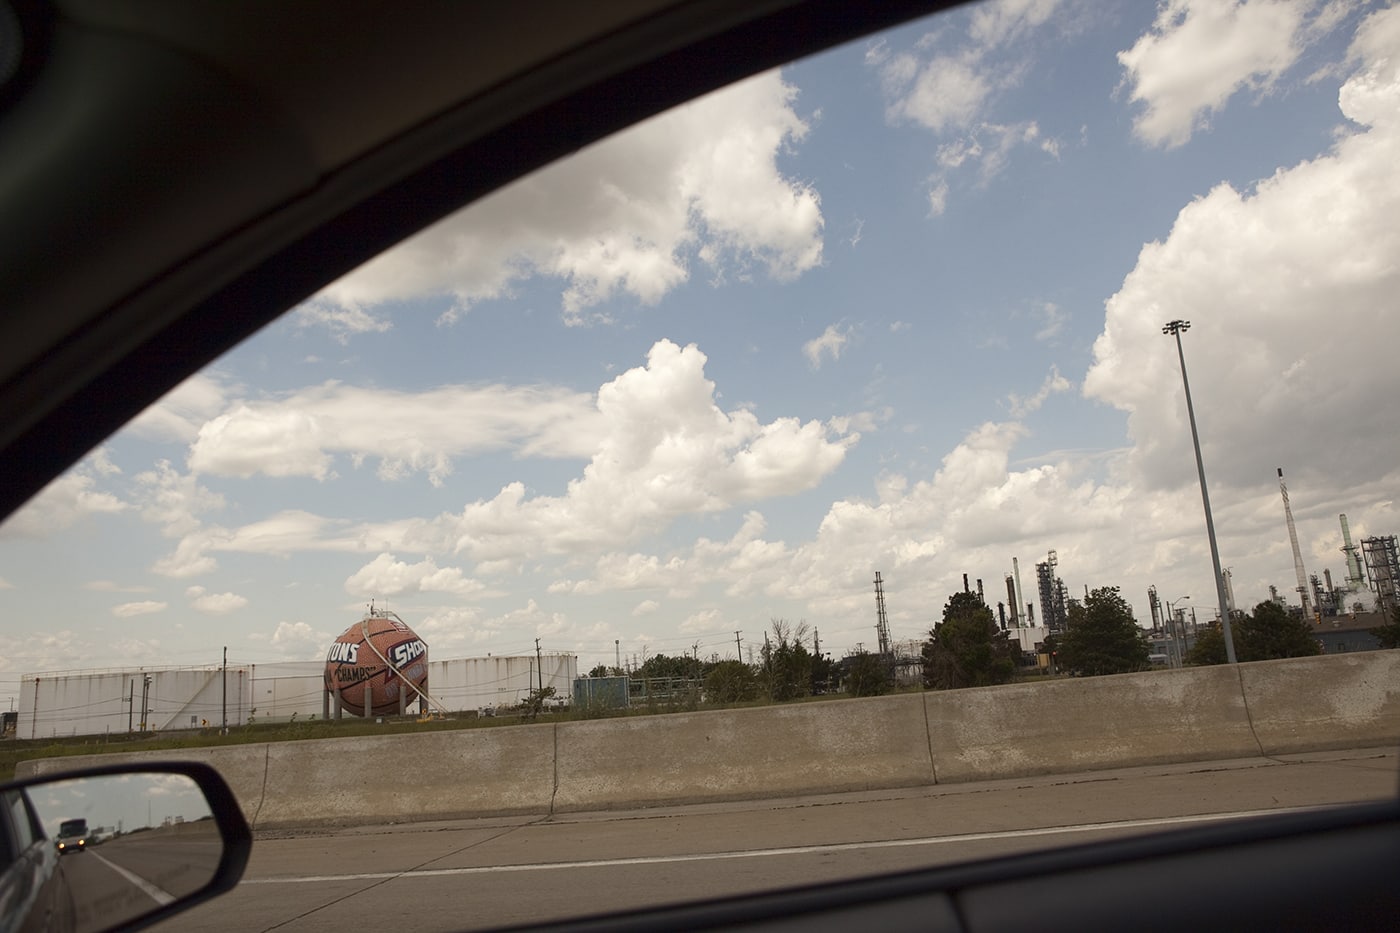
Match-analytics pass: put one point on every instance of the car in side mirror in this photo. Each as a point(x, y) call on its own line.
point(116, 848)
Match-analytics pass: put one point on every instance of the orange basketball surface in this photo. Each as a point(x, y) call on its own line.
point(356, 668)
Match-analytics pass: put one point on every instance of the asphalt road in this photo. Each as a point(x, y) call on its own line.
point(132, 875)
point(484, 873)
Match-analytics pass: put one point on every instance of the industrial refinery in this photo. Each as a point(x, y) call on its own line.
point(1344, 608)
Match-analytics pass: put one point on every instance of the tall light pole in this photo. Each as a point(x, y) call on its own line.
point(1174, 328)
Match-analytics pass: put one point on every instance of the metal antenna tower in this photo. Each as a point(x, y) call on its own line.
point(882, 623)
point(1297, 553)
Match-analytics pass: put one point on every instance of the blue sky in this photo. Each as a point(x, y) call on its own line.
point(896, 308)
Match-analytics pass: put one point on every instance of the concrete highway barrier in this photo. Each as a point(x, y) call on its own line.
point(1061, 726)
point(1333, 701)
point(403, 778)
point(1089, 723)
point(790, 750)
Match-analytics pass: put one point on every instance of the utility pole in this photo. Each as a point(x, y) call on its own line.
point(130, 705)
point(539, 665)
point(768, 663)
point(145, 698)
point(617, 656)
point(225, 725)
point(738, 648)
point(1174, 328)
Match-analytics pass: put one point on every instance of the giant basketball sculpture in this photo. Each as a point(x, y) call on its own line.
point(375, 661)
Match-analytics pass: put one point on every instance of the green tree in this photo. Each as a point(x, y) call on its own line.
point(1268, 633)
point(967, 649)
point(1210, 646)
point(1272, 632)
point(534, 703)
point(730, 682)
point(825, 674)
point(1051, 647)
point(867, 675)
point(661, 666)
point(1102, 637)
point(786, 671)
point(1389, 633)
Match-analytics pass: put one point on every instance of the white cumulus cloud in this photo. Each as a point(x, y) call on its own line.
point(951, 81)
point(386, 576)
point(303, 433)
point(628, 215)
point(294, 641)
point(68, 500)
point(214, 603)
point(180, 413)
point(1289, 289)
point(667, 450)
point(146, 607)
point(1201, 53)
point(830, 344)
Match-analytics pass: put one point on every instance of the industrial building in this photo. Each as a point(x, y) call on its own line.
point(1345, 633)
point(163, 699)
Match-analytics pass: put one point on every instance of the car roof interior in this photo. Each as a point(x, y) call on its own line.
point(174, 175)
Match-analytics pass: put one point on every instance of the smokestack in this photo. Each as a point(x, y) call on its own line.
point(1297, 551)
point(1355, 578)
point(1020, 593)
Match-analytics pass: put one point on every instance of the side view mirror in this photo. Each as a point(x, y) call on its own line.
point(117, 847)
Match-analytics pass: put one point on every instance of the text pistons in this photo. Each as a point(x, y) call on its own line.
point(343, 653)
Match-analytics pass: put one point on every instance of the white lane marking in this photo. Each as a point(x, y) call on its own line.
point(790, 850)
point(159, 895)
